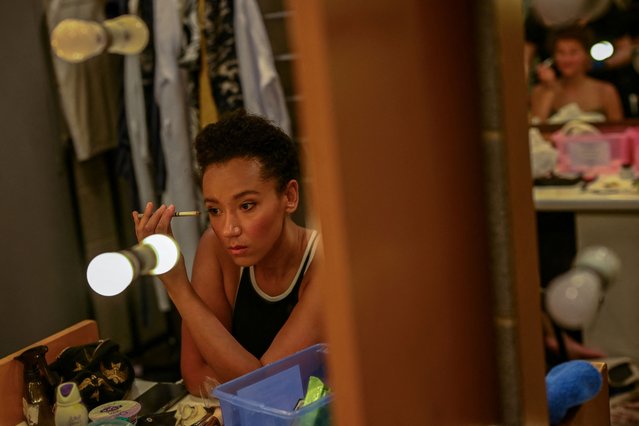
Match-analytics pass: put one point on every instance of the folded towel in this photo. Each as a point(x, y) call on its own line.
point(568, 385)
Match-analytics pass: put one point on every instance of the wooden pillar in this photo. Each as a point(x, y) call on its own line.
point(391, 114)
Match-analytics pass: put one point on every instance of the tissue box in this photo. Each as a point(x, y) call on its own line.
point(603, 153)
point(268, 395)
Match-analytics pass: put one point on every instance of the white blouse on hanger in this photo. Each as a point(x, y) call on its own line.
point(263, 94)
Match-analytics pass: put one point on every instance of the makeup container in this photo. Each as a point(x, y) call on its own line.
point(123, 410)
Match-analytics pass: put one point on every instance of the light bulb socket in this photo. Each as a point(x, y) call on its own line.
point(601, 260)
point(127, 34)
point(144, 257)
point(604, 280)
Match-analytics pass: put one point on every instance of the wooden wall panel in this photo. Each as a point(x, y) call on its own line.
point(390, 112)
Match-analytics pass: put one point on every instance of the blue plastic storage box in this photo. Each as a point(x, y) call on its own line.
point(268, 395)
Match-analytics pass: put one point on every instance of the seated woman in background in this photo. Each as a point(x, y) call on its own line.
point(570, 47)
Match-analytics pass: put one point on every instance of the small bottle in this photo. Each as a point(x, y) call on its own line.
point(627, 172)
point(69, 410)
point(35, 403)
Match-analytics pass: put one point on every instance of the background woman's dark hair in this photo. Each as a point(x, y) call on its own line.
point(583, 35)
point(242, 135)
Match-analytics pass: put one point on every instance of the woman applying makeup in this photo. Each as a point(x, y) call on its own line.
point(253, 297)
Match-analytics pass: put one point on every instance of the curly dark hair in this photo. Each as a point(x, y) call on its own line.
point(583, 35)
point(239, 134)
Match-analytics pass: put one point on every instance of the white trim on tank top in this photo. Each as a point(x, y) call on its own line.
point(310, 247)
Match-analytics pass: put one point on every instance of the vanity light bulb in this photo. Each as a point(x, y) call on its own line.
point(573, 298)
point(75, 40)
point(110, 273)
point(602, 50)
point(166, 252)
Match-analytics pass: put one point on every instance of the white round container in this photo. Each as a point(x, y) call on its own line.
point(126, 410)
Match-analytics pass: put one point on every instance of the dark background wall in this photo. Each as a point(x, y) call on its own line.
point(42, 284)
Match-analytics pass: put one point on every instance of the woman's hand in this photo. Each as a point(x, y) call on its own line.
point(546, 74)
point(158, 222)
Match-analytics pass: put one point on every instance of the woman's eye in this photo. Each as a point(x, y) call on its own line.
point(214, 211)
point(247, 206)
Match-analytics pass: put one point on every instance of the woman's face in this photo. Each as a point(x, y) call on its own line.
point(246, 212)
point(571, 58)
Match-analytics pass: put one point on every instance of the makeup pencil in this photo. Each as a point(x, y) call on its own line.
point(178, 214)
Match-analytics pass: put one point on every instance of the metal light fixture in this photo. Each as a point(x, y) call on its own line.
point(76, 40)
point(111, 273)
point(573, 298)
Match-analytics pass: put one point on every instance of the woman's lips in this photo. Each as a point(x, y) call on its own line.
point(238, 250)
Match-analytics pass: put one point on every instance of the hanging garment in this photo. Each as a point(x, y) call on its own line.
point(189, 61)
point(170, 95)
point(261, 88)
point(147, 64)
point(208, 111)
point(220, 55)
point(137, 126)
point(89, 93)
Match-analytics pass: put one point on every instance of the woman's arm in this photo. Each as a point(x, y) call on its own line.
point(208, 346)
point(208, 283)
point(304, 327)
point(612, 103)
point(208, 326)
point(541, 101)
point(194, 369)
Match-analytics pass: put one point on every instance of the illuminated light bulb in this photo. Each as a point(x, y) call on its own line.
point(573, 298)
point(602, 50)
point(166, 252)
point(111, 273)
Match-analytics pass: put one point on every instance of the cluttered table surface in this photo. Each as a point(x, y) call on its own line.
point(579, 198)
point(288, 391)
point(168, 403)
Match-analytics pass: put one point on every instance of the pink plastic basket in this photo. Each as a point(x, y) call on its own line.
point(596, 154)
point(633, 142)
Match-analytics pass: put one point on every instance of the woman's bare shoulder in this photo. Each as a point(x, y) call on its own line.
point(604, 86)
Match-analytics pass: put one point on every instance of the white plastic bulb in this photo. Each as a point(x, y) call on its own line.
point(600, 259)
point(110, 273)
point(166, 252)
point(573, 298)
point(129, 34)
point(75, 40)
point(602, 50)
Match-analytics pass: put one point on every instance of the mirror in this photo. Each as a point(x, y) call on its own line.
point(581, 60)
point(41, 168)
point(576, 209)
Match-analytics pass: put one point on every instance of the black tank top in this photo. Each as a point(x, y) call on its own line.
point(258, 317)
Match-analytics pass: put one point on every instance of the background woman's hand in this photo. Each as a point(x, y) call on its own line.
point(546, 74)
point(158, 222)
